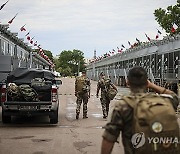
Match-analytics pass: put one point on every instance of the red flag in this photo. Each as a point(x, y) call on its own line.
point(174, 27)
point(158, 33)
point(35, 43)
point(22, 28)
point(28, 38)
point(3, 5)
point(10, 21)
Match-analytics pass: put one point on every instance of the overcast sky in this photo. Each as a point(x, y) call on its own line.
point(87, 25)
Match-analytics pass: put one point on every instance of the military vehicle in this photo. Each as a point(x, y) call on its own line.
point(30, 92)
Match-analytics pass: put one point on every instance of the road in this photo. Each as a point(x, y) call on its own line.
point(35, 135)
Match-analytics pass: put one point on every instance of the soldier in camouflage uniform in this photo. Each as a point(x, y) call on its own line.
point(104, 85)
point(121, 119)
point(82, 92)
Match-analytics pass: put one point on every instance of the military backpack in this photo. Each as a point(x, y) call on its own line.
point(82, 85)
point(110, 91)
point(28, 93)
point(155, 126)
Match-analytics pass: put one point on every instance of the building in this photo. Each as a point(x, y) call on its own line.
point(161, 59)
point(15, 53)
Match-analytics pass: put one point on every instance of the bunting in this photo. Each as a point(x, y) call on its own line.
point(10, 21)
point(129, 43)
point(148, 37)
point(158, 33)
point(3, 5)
point(123, 46)
point(27, 33)
point(137, 40)
point(22, 28)
point(174, 27)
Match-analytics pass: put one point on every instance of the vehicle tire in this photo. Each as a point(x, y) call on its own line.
point(54, 118)
point(5, 119)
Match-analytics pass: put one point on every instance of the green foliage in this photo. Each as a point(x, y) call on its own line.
point(49, 54)
point(69, 62)
point(166, 18)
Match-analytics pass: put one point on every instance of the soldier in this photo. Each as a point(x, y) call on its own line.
point(104, 84)
point(82, 92)
point(124, 119)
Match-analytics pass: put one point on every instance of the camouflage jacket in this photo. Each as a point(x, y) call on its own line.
point(121, 120)
point(104, 85)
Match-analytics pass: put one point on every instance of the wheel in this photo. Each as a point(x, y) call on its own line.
point(5, 119)
point(54, 118)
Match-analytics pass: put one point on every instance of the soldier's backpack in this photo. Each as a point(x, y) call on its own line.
point(110, 91)
point(28, 93)
point(155, 126)
point(82, 85)
point(40, 85)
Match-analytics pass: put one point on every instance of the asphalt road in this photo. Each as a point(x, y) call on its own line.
point(34, 135)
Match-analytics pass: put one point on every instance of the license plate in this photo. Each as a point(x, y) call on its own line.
point(28, 107)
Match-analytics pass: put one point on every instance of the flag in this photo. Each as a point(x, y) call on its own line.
point(123, 46)
point(10, 21)
point(28, 38)
point(113, 51)
point(174, 27)
point(129, 43)
point(158, 33)
point(137, 40)
point(3, 5)
point(120, 50)
point(148, 37)
point(39, 46)
point(22, 28)
point(27, 33)
point(35, 43)
point(31, 41)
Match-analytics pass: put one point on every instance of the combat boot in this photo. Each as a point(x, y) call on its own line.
point(85, 116)
point(104, 116)
point(77, 116)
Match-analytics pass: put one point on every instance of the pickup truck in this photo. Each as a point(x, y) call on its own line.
point(47, 102)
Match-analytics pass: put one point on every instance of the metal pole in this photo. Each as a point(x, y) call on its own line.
point(78, 67)
point(30, 66)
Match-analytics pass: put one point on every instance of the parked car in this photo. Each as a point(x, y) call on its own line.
point(39, 96)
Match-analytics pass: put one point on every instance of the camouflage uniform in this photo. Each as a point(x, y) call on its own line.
point(104, 84)
point(122, 121)
point(82, 97)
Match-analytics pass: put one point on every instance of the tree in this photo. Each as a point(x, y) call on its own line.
point(166, 18)
point(49, 54)
point(70, 62)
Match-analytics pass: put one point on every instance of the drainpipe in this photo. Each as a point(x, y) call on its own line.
point(30, 66)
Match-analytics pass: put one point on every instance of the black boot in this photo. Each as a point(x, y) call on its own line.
point(77, 116)
point(104, 116)
point(85, 116)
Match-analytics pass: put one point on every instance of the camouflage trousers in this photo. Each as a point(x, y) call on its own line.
point(82, 98)
point(105, 105)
